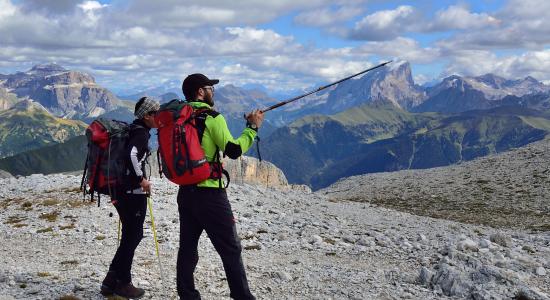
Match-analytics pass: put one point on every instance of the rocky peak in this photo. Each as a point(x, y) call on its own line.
point(6, 99)
point(393, 84)
point(29, 105)
point(401, 70)
point(240, 100)
point(454, 81)
point(492, 80)
point(63, 92)
point(529, 85)
point(44, 69)
point(531, 80)
point(232, 93)
point(70, 77)
point(3, 93)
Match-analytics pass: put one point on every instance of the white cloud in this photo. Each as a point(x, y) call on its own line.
point(478, 62)
point(92, 12)
point(6, 9)
point(403, 48)
point(143, 42)
point(322, 17)
point(48, 7)
point(91, 5)
point(459, 17)
point(389, 24)
point(420, 79)
point(386, 24)
point(250, 41)
point(526, 9)
point(521, 24)
point(194, 13)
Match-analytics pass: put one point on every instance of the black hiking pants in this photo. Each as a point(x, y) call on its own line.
point(208, 209)
point(131, 209)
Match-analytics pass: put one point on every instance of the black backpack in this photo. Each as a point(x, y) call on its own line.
point(106, 161)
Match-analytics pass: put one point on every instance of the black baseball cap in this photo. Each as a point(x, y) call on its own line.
point(195, 81)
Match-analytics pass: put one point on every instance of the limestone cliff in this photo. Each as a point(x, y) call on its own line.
point(62, 92)
point(247, 170)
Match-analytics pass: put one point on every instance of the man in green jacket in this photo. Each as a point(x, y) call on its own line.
point(205, 206)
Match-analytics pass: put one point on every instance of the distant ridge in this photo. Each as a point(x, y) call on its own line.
point(28, 125)
point(64, 93)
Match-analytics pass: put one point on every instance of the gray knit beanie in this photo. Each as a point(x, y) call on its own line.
point(144, 106)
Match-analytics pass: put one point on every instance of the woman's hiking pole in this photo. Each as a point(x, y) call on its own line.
point(118, 244)
point(155, 237)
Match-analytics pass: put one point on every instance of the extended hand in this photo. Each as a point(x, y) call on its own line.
point(255, 117)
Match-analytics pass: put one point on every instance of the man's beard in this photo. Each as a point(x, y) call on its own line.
point(209, 99)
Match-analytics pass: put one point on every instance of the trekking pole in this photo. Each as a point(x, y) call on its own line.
point(118, 244)
point(155, 237)
point(322, 88)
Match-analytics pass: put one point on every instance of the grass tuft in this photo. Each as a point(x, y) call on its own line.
point(50, 217)
point(15, 219)
point(68, 297)
point(70, 226)
point(70, 262)
point(50, 202)
point(48, 229)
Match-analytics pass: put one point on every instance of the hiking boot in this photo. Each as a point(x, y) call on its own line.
point(109, 284)
point(128, 290)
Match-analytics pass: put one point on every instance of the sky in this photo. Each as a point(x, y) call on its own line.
point(283, 45)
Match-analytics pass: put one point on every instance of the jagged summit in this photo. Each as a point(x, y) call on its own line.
point(64, 93)
point(389, 84)
point(492, 80)
point(42, 69)
point(29, 105)
point(531, 79)
point(398, 64)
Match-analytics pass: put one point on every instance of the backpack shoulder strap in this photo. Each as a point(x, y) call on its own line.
point(133, 126)
point(200, 120)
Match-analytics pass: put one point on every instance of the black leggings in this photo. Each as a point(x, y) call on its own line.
point(131, 209)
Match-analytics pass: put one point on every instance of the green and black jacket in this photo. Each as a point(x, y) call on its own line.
point(216, 136)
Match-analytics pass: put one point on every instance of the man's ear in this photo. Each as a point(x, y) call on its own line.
point(200, 93)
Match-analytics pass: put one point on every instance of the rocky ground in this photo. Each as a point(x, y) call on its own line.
point(296, 245)
point(510, 189)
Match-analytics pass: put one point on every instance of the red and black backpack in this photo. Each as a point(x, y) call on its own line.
point(107, 158)
point(181, 157)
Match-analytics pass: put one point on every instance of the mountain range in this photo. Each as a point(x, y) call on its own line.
point(64, 93)
point(458, 94)
point(76, 95)
point(382, 121)
point(319, 150)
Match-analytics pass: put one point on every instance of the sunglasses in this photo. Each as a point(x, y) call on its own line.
point(208, 87)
